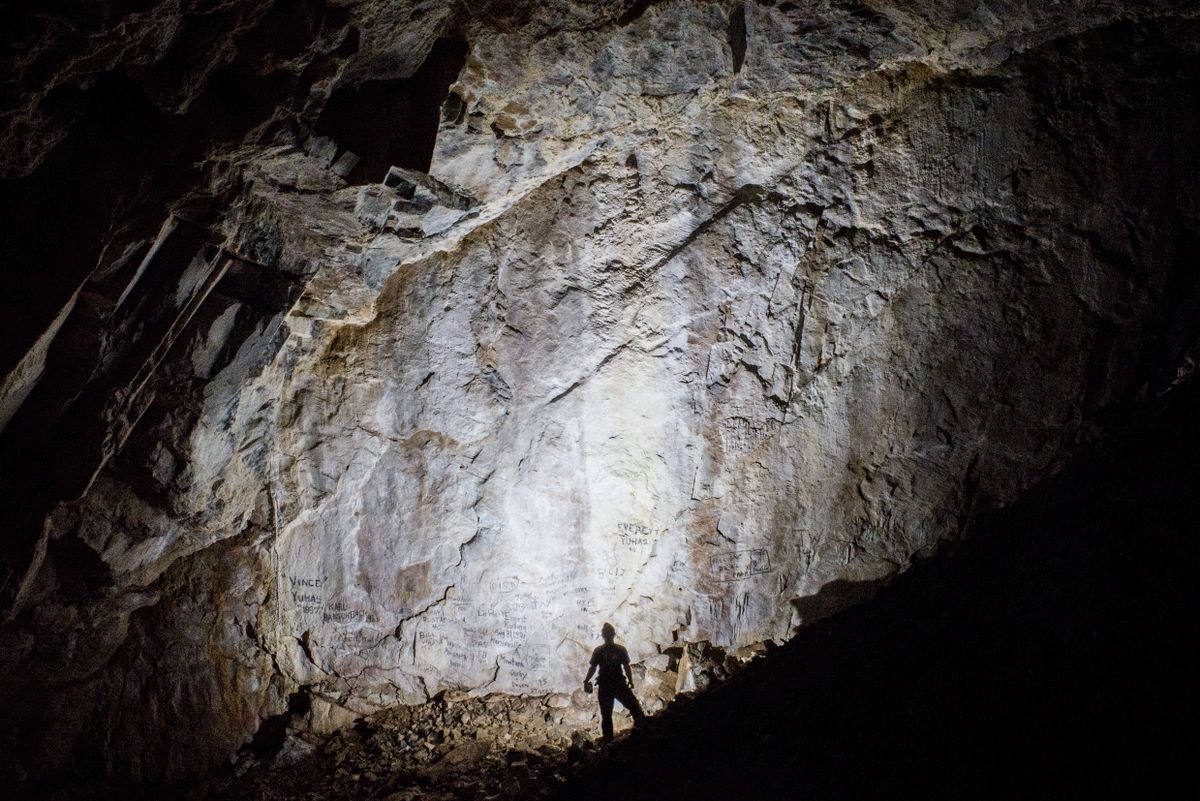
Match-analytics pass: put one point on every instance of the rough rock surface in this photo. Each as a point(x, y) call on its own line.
point(705, 319)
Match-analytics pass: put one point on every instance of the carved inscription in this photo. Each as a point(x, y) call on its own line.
point(737, 565)
point(807, 550)
point(504, 585)
point(739, 434)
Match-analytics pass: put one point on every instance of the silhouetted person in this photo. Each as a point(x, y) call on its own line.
point(616, 681)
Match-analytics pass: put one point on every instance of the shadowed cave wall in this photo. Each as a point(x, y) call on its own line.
point(357, 352)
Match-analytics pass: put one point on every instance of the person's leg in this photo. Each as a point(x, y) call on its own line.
point(606, 704)
point(629, 701)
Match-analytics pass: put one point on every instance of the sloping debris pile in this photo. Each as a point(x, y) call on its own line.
point(462, 748)
point(450, 748)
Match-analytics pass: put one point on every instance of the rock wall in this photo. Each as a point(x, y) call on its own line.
point(706, 318)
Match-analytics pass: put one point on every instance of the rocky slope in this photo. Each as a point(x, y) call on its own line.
point(704, 318)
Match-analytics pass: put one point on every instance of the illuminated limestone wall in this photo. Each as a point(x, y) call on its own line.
point(704, 346)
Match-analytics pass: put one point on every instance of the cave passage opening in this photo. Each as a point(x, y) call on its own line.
point(393, 122)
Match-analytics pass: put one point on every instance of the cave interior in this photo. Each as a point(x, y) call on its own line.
point(362, 357)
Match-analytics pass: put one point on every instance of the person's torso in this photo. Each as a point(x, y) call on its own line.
point(609, 659)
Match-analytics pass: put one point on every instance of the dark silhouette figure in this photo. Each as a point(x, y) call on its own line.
point(616, 681)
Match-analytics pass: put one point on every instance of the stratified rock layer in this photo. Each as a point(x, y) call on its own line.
point(705, 321)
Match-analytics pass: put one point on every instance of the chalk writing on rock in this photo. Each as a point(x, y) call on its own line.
point(307, 594)
point(457, 655)
point(737, 565)
point(634, 535)
point(513, 633)
point(358, 638)
point(339, 612)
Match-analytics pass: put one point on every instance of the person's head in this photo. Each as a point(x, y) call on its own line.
point(608, 632)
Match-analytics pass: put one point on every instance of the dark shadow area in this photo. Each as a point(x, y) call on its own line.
point(128, 161)
point(390, 123)
point(1048, 657)
point(834, 597)
point(269, 738)
point(110, 180)
point(737, 36)
point(81, 573)
point(635, 11)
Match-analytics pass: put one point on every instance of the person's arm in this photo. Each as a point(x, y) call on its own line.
point(587, 680)
point(628, 670)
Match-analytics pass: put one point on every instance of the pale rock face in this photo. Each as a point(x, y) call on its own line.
point(702, 353)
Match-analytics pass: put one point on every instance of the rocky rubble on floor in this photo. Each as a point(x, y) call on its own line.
point(451, 748)
point(459, 747)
